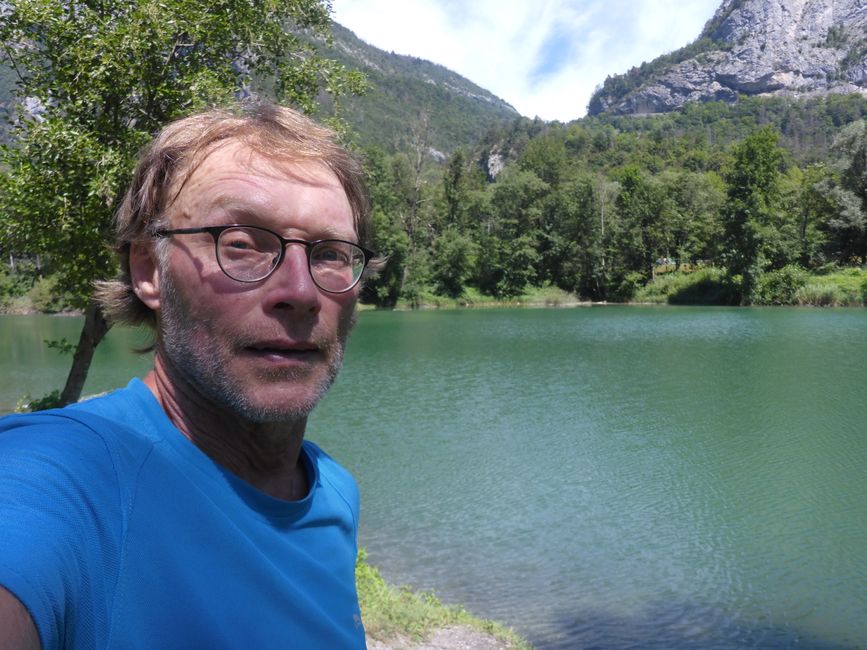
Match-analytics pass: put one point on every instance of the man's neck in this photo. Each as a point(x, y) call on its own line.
point(266, 455)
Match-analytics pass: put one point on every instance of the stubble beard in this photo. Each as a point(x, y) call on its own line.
point(206, 369)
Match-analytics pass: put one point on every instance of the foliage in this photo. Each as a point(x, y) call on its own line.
point(791, 285)
point(104, 76)
point(704, 286)
point(47, 297)
point(453, 261)
point(16, 281)
point(781, 286)
point(846, 287)
point(752, 214)
point(389, 612)
point(592, 209)
point(849, 225)
point(821, 294)
point(27, 404)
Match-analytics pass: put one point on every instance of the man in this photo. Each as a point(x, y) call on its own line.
point(186, 510)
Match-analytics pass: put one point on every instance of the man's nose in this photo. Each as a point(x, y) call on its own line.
point(291, 282)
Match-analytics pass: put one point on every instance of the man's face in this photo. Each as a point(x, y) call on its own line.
point(268, 350)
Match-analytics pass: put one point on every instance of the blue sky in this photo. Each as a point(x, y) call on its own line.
point(544, 57)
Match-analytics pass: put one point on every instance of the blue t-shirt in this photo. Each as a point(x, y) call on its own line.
point(117, 532)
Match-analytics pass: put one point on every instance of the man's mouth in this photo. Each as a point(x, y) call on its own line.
point(280, 351)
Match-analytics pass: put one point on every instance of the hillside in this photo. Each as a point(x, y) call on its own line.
point(792, 48)
point(404, 88)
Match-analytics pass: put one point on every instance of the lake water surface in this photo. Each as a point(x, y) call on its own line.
point(611, 477)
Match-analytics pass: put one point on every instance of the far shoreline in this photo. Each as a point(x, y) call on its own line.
point(493, 304)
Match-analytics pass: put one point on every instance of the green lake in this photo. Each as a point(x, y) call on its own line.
point(605, 477)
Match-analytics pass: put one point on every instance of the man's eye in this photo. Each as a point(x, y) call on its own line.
point(332, 254)
point(238, 240)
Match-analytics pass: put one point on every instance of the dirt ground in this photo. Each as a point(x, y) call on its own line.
point(456, 637)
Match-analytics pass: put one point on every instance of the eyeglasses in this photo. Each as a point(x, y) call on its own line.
point(251, 254)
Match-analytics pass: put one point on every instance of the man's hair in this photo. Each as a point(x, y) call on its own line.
point(279, 134)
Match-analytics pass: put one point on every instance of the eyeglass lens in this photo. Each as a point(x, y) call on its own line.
point(251, 254)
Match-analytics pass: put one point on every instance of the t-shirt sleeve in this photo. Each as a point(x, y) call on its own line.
point(58, 505)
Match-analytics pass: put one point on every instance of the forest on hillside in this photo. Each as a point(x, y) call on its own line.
point(758, 197)
point(744, 204)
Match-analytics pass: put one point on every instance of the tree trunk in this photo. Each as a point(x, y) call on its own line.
point(93, 331)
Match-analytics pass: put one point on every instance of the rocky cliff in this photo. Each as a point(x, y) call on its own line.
point(798, 48)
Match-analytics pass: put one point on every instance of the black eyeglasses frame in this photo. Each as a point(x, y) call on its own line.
point(216, 231)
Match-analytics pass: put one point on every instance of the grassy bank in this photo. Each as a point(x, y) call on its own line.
point(791, 285)
point(471, 297)
point(393, 612)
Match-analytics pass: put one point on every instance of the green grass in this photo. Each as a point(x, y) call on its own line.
point(836, 288)
point(547, 296)
point(389, 612)
point(788, 286)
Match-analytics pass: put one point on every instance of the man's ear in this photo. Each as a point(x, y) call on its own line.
point(145, 275)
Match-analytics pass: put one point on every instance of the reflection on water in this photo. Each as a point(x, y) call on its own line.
point(607, 477)
point(617, 477)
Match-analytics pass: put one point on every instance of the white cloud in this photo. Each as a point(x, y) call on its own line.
point(544, 57)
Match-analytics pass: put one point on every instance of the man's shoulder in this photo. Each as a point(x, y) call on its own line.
point(333, 475)
point(118, 421)
point(325, 463)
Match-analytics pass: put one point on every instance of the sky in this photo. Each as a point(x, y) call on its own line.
point(544, 57)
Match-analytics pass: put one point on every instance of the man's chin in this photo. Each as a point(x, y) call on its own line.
point(277, 401)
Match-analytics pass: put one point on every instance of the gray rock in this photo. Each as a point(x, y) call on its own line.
point(797, 48)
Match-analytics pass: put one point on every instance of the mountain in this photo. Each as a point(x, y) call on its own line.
point(795, 48)
point(406, 91)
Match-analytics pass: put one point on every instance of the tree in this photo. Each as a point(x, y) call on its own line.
point(453, 260)
point(753, 201)
point(813, 206)
point(644, 234)
point(696, 199)
point(546, 156)
point(455, 189)
point(100, 78)
point(508, 259)
point(580, 266)
point(849, 228)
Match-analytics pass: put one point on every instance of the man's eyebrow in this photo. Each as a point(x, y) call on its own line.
point(329, 232)
point(245, 214)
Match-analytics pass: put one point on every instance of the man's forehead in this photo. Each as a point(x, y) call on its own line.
point(235, 158)
point(238, 179)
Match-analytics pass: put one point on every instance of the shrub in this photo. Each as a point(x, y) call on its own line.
point(780, 287)
point(45, 296)
point(630, 286)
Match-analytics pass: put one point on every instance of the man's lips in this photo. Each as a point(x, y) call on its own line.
point(284, 350)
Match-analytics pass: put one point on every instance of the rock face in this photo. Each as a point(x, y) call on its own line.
point(797, 48)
